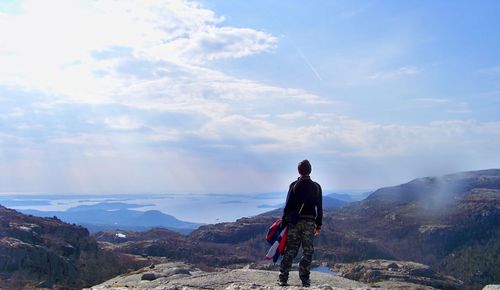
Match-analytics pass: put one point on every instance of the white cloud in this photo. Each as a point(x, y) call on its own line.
point(225, 42)
point(239, 127)
point(83, 60)
point(16, 112)
point(122, 123)
point(49, 47)
point(432, 101)
point(395, 73)
point(292, 115)
point(460, 108)
point(9, 139)
point(451, 106)
point(340, 136)
point(82, 139)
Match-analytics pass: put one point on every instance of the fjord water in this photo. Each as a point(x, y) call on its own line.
point(199, 208)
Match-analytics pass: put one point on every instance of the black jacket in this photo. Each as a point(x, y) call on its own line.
point(307, 192)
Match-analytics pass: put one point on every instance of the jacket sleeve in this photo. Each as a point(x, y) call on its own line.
point(319, 207)
point(286, 210)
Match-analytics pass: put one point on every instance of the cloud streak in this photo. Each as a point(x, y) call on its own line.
point(395, 73)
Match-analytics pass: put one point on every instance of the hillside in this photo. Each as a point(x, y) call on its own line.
point(450, 222)
point(37, 250)
point(160, 242)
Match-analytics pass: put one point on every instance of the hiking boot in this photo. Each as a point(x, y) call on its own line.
point(306, 283)
point(282, 283)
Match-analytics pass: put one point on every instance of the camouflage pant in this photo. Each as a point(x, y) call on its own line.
point(301, 233)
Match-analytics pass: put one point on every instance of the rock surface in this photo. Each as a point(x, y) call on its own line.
point(381, 272)
point(173, 276)
point(181, 276)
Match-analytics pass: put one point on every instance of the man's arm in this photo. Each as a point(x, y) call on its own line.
point(286, 210)
point(319, 207)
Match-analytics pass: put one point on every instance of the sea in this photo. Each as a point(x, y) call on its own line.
point(198, 208)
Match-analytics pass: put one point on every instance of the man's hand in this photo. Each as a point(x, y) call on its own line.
point(317, 231)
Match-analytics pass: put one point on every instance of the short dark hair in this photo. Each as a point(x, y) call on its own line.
point(304, 167)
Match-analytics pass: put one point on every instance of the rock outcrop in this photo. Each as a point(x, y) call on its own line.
point(182, 276)
point(374, 274)
point(380, 272)
point(243, 229)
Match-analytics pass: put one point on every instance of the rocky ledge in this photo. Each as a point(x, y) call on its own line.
point(172, 276)
point(370, 274)
point(385, 273)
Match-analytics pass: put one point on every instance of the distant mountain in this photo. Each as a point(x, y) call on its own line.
point(350, 197)
point(113, 215)
point(49, 252)
point(333, 203)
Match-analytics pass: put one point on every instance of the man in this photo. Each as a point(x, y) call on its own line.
point(303, 215)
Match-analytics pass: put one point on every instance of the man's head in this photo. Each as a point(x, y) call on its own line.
point(304, 167)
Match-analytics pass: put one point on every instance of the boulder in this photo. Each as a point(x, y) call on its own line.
point(148, 276)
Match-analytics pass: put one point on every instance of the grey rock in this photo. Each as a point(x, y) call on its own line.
point(392, 266)
point(181, 276)
point(148, 276)
point(176, 271)
point(379, 272)
point(372, 276)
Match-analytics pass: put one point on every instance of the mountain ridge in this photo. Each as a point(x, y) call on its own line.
point(106, 215)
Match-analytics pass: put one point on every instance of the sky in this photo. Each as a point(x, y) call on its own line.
point(213, 96)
